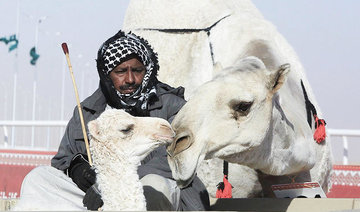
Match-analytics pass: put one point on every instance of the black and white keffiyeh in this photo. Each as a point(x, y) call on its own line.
point(122, 47)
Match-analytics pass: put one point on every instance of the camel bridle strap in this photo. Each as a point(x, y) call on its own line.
point(320, 132)
point(310, 108)
point(226, 168)
point(190, 30)
point(225, 172)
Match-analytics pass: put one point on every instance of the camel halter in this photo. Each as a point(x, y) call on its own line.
point(189, 30)
point(320, 132)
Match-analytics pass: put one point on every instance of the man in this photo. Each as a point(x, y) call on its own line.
point(127, 67)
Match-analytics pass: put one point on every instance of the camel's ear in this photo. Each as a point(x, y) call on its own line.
point(278, 78)
point(217, 68)
point(250, 63)
point(94, 129)
point(263, 50)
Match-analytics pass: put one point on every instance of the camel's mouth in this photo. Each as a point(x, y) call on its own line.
point(184, 167)
point(179, 173)
point(184, 183)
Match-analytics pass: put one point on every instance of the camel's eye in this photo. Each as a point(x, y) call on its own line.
point(127, 129)
point(241, 108)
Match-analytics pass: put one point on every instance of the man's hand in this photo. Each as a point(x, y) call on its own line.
point(92, 200)
point(81, 173)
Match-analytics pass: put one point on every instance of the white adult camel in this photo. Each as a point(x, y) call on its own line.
point(191, 37)
point(242, 116)
point(119, 142)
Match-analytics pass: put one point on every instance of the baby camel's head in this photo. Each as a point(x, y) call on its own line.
point(117, 132)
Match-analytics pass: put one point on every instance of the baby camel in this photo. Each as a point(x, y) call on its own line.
point(118, 143)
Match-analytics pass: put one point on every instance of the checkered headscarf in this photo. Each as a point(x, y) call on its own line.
point(122, 47)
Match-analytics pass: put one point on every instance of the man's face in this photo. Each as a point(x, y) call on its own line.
point(128, 76)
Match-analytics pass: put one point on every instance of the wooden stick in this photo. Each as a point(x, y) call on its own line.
point(66, 52)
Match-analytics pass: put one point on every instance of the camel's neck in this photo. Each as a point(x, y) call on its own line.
point(119, 184)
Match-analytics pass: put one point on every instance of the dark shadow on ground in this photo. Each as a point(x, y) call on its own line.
point(238, 204)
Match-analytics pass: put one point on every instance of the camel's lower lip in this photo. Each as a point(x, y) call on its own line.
point(183, 183)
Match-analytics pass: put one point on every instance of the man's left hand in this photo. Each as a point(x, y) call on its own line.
point(92, 199)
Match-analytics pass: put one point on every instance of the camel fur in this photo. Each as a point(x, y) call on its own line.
point(118, 143)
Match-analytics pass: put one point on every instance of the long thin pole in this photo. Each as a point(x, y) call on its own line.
point(14, 108)
point(48, 128)
point(6, 136)
point(15, 74)
point(33, 112)
point(34, 87)
point(66, 52)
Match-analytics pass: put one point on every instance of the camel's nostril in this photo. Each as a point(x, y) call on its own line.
point(164, 126)
point(181, 144)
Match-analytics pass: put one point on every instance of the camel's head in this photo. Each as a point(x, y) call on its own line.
point(226, 116)
point(135, 137)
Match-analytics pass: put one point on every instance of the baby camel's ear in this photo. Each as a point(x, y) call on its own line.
point(94, 129)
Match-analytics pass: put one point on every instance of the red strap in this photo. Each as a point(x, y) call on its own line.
point(320, 132)
point(225, 192)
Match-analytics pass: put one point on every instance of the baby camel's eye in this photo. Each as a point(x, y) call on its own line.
point(127, 129)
